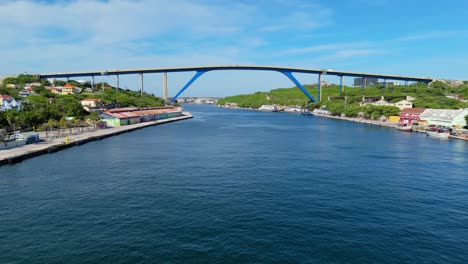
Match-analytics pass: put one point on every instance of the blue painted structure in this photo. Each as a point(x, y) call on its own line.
point(200, 70)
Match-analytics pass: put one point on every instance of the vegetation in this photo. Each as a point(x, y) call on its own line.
point(433, 96)
point(45, 109)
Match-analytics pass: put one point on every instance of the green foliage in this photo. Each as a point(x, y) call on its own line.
point(425, 97)
point(45, 107)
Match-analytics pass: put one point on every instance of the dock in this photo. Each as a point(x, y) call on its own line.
point(18, 154)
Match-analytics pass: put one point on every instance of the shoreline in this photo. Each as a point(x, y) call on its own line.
point(14, 155)
point(380, 123)
point(352, 119)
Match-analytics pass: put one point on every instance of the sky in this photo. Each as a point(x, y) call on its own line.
point(418, 38)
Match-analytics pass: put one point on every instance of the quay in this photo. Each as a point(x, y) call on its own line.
point(382, 124)
point(18, 154)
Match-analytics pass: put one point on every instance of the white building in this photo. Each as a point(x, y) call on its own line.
point(445, 117)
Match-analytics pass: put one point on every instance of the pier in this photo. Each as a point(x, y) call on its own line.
point(27, 151)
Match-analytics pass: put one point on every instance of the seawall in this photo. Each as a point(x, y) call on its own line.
point(18, 154)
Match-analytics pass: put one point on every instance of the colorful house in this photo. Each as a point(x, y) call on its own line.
point(69, 89)
point(7, 103)
point(411, 115)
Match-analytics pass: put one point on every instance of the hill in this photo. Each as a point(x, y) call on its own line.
point(433, 96)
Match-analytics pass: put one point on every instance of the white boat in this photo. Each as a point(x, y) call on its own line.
point(438, 133)
point(404, 128)
point(269, 108)
point(321, 112)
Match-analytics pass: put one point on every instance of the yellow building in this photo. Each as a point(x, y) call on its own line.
point(69, 89)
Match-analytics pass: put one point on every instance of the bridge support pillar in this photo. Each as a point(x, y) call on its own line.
point(93, 84)
point(406, 83)
point(117, 88)
point(341, 85)
point(298, 84)
point(198, 74)
point(319, 87)
point(386, 84)
point(364, 82)
point(141, 84)
point(165, 86)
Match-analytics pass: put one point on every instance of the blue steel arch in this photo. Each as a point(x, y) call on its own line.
point(286, 73)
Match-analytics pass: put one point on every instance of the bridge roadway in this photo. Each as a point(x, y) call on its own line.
point(287, 71)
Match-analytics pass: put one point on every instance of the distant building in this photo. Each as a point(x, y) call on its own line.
point(7, 103)
point(24, 93)
point(54, 90)
point(358, 82)
point(91, 103)
point(69, 89)
point(34, 84)
point(11, 86)
point(383, 101)
point(404, 104)
point(389, 83)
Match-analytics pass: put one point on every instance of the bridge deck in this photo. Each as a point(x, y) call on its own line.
point(237, 67)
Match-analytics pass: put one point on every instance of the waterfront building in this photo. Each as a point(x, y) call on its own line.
point(411, 115)
point(445, 117)
point(7, 103)
point(132, 115)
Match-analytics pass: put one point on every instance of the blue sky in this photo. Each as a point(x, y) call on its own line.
point(421, 38)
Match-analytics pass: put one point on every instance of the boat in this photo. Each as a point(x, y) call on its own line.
point(306, 111)
point(269, 108)
point(404, 128)
point(318, 112)
point(438, 133)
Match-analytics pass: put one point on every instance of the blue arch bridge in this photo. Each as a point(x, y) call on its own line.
point(200, 70)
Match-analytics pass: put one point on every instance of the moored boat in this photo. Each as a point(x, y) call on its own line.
point(404, 128)
point(438, 133)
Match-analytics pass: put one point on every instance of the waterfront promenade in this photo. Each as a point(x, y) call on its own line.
point(381, 123)
point(20, 153)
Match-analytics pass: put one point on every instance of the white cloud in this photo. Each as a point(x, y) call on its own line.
point(432, 35)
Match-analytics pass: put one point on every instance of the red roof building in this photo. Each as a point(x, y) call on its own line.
point(411, 115)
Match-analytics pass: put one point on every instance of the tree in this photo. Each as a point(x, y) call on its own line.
point(466, 119)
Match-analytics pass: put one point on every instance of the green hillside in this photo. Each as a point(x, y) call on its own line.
point(434, 96)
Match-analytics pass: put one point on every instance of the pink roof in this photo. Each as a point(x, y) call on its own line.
point(68, 85)
point(5, 96)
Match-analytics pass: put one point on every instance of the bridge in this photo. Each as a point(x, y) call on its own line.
point(200, 70)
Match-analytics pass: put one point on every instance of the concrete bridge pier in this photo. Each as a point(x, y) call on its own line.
point(386, 84)
point(117, 88)
point(93, 84)
point(141, 84)
point(165, 86)
point(364, 82)
point(341, 85)
point(319, 87)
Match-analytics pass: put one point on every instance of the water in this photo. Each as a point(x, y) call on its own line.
point(234, 186)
